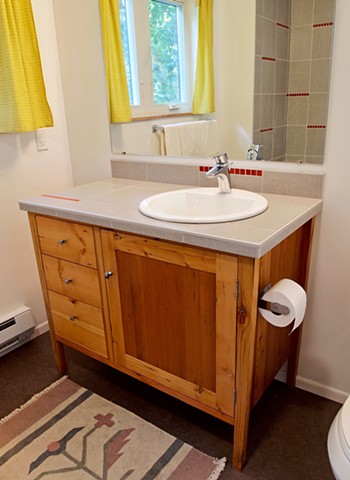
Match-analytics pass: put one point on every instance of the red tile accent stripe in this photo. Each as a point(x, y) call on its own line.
point(317, 25)
point(282, 25)
point(303, 94)
point(270, 59)
point(266, 130)
point(237, 171)
point(61, 198)
point(316, 126)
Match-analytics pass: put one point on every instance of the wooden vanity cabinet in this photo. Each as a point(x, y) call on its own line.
point(182, 319)
point(71, 284)
point(173, 317)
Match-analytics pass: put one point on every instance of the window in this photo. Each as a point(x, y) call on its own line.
point(157, 40)
point(129, 49)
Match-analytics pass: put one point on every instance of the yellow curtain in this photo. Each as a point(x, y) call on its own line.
point(203, 97)
point(118, 95)
point(23, 103)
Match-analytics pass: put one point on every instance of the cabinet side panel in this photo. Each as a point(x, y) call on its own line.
point(273, 344)
point(168, 316)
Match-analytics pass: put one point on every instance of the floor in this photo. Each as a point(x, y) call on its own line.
point(288, 428)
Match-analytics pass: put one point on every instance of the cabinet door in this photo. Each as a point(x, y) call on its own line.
point(173, 315)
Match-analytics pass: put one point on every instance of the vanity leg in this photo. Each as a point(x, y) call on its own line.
point(240, 436)
point(248, 275)
point(60, 358)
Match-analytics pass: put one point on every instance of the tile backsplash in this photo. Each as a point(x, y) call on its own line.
point(256, 180)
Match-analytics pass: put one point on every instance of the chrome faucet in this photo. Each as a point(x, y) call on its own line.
point(254, 152)
point(222, 171)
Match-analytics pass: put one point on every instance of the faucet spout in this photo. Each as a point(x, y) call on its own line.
point(222, 172)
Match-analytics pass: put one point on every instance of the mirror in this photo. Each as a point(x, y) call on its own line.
point(272, 62)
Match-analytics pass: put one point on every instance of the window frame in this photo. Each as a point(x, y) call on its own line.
point(143, 74)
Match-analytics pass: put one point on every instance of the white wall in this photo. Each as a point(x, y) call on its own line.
point(82, 69)
point(24, 172)
point(325, 353)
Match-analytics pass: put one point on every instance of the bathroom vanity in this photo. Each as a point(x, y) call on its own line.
point(172, 305)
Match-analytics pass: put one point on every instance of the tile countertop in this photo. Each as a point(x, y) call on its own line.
point(113, 203)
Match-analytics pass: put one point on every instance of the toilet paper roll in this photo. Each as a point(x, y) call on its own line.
point(292, 295)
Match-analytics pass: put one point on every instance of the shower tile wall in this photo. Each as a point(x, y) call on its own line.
point(292, 66)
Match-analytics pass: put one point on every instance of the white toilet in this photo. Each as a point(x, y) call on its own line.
point(339, 443)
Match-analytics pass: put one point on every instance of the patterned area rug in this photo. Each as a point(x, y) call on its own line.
point(68, 432)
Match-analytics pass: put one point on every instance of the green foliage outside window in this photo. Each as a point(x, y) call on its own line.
point(165, 52)
point(126, 47)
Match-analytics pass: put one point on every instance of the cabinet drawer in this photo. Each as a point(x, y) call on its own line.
point(72, 280)
point(69, 241)
point(78, 322)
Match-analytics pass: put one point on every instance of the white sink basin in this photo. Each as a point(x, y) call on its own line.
point(203, 205)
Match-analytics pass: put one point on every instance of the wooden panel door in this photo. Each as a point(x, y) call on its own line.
point(173, 316)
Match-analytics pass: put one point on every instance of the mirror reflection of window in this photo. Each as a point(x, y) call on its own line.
point(129, 49)
point(156, 30)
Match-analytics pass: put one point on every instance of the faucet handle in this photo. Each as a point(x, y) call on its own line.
point(220, 158)
point(254, 152)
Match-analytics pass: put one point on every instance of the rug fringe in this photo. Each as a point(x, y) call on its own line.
point(220, 465)
point(32, 400)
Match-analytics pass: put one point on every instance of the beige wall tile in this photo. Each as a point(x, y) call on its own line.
point(315, 159)
point(282, 73)
point(315, 141)
point(279, 142)
point(320, 71)
point(280, 112)
point(301, 185)
point(324, 11)
point(318, 109)
point(257, 112)
point(205, 181)
point(266, 139)
point(257, 76)
point(282, 43)
point(322, 42)
point(259, 7)
point(299, 76)
point(300, 43)
point(297, 110)
point(247, 182)
point(131, 170)
point(258, 35)
point(270, 7)
point(267, 102)
point(302, 12)
point(187, 175)
point(283, 11)
point(268, 76)
point(268, 38)
point(256, 137)
point(296, 140)
point(295, 158)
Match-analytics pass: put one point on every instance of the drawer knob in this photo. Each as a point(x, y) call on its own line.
point(72, 318)
point(68, 281)
point(62, 242)
point(108, 275)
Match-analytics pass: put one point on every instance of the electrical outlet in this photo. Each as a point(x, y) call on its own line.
point(41, 141)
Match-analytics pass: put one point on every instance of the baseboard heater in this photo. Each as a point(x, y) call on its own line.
point(16, 328)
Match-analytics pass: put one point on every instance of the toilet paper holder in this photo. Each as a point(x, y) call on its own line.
point(274, 307)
